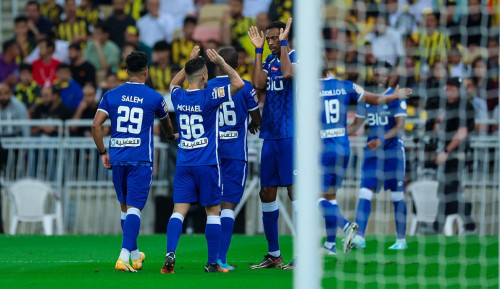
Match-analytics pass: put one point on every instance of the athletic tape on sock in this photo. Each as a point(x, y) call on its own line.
point(134, 211)
point(333, 202)
point(366, 194)
point(270, 207)
point(397, 196)
point(213, 220)
point(177, 216)
point(123, 215)
point(227, 213)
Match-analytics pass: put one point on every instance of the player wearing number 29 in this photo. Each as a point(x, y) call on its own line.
point(132, 108)
point(233, 127)
point(384, 158)
point(336, 96)
point(197, 177)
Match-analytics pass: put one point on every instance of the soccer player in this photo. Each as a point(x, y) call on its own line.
point(275, 77)
point(233, 127)
point(336, 96)
point(131, 108)
point(384, 160)
point(197, 177)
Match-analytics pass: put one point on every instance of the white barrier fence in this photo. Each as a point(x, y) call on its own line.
point(72, 166)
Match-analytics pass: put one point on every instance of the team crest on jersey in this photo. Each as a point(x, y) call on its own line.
point(358, 89)
point(220, 92)
point(165, 107)
point(403, 105)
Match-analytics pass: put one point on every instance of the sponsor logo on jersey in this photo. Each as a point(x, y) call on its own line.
point(196, 144)
point(125, 142)
point(331, 133)
point(358, 89)
point(228, 134)
point(134, 99)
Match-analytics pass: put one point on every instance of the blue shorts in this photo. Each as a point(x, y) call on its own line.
point(201, 184)
point(387, 167)
point(276, 163)
point(234, 178)
point(132, 184)
point(334, 169)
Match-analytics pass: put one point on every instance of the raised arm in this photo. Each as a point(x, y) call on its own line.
point(259, 76)
point(179, 78)
point(286, 64)
point(376, 99)
point(97, 134)
point(236, 81)
point(355, 125)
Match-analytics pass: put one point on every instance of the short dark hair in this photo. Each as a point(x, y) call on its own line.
point(454, 81)
point(34, 2)
point(48, 41)
point(103, 27)
point(383, 64)
point(194, 65)
point(8, 44)
point(63, 66)
point(20, 18)
point(230, 56)
point(25, 66)
point(162, 46)
point(130, 44)
point(190, 19)
point(276, 24)
point(137, 61)
point(76, 46)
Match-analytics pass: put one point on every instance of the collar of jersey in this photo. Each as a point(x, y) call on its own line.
point(132, 82)
point(222, 76)
point(189, 90)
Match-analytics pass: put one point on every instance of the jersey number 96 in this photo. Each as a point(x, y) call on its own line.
point(227, 114)
point(191, 126)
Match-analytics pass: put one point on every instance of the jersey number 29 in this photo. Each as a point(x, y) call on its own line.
point(132, 115)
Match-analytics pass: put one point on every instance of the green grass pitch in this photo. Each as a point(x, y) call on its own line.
point(88, 262)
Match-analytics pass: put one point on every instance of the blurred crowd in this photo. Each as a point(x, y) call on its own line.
point(64, 54)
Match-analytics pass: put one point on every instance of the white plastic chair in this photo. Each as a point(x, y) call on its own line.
point(424, 195)
point(28, 199)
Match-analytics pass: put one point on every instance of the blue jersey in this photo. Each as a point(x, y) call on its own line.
point(277, 115)
point(132, 108)
point(382, 118)
point(336, 96)
point(233, 120)
point(197, 113)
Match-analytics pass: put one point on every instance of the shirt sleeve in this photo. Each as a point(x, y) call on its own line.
point(161, 111)
point(103, 105)
point(219, 95)
point(355, 91)
point(361, 110)
point(293, 58)
point(252, 101)
point(399, 107)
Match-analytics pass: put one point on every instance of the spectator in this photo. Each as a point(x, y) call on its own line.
point(36, 22)
point(118, 22)
point(102, 53)
point(8, 64)
point(386, 42)
point(478, 22)
point(492, 66)
point(25, 43)
point(11, 109)
point(454, 125)
point(27, 90)
point(433, 45)
point(135, 8)
point(177, 10)
point(252, 8)
point(245, 65)
point(160, 72)
point(235, 27)
point(457, 66)
point(132, 37)
point(44, 69)
point(280, 10)
point(111, 81)
point(400, 18)
point(262, 21)
point(72, 29)
point(52, 11)
point(61, 52)
point(50, 108)
point(69, 90)
point(369, 61)
point(182, 47)
point(479, 71)
point(86, 110)
point(452, 25)
point(81, 70)
point(121, 72)
point(87, 12)
point(479, 104)
point(154, 27)
point(417, 8)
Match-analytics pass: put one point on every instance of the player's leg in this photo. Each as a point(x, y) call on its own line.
point(395, 171)
point(123, 214)
point(234, 175)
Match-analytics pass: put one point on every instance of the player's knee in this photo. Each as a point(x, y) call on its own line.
point(366, 194)
point(397, 196)
point(266, 196)
point(176, 215)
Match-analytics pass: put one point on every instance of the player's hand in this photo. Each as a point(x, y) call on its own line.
point(105, 160)
point(374, 144)
point(284, 33)
point(441, 158)
point(403, 92)
point(215, 57)
point(176, 136)
point(257, 39)
point(195, 52)
point(253, 128)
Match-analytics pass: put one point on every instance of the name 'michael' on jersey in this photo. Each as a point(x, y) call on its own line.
point(197, 114)
point(277, 115)
point(336, 96)
point(382, 118)
point(132, 108)
point(233, 119)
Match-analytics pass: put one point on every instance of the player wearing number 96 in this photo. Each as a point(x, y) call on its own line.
point(132, 108)
point(336, 96)
point(197, 177)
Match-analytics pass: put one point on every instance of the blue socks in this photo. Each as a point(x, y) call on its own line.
point(332, 213)
point(131, 228)
point(399, 214)
point(227, 223)
point(212, 234)
point(270, 215)
point(174, 231)
point(364, 209)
